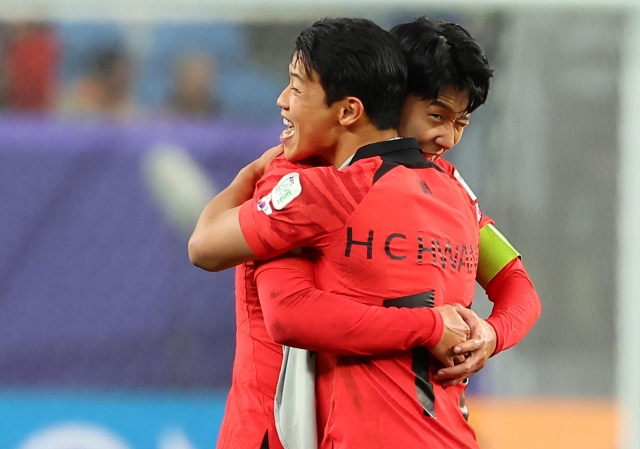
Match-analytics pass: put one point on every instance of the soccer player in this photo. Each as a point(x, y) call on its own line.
point(248, 418)
point(448, 78)
point(436, 113)
point(437, 109)
point(438, 216)
point(439, 133)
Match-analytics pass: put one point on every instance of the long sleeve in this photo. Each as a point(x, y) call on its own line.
point(516, 304)
point(299, 315)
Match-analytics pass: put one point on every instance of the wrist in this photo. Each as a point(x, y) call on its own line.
point(435, 328)
point(492, 341)
point(245, 183)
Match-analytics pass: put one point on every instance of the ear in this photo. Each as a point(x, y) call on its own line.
point(351, 111)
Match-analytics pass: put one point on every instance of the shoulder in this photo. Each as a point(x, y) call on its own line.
point(445, 165)
point(449, 168)
point(322, 191)
point(279, 168)
point(453, 171)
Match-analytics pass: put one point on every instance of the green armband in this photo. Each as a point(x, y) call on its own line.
point(495, 253)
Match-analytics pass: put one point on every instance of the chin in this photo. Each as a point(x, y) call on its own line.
point(291, 155)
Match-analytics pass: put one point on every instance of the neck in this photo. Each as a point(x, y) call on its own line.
point(354, 139)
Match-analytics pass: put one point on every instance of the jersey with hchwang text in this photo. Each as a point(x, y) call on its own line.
point(391, 230)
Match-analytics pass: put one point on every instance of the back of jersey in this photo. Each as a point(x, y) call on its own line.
point(412, 241)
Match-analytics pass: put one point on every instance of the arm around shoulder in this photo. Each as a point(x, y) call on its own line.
point(220, 244)
point(217, 241)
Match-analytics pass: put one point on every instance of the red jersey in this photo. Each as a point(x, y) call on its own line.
point(298, 315)
point(393, 230)
point(249, 418)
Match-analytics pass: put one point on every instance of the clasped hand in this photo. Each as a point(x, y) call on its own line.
point(467, 343)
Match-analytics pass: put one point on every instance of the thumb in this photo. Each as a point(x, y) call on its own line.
point(464, 312)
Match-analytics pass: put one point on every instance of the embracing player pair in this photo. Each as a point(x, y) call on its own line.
point(370, 246)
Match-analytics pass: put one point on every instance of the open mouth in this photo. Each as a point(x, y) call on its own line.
point(289, 131)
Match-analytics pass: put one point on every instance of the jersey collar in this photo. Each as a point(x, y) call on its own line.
point(402, 151)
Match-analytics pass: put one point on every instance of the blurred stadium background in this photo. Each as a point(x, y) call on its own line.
point(120, 119)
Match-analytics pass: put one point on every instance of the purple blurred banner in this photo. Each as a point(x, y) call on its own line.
point(96, 288)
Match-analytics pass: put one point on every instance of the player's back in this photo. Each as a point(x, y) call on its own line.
point(386, 235)
point(411, 241)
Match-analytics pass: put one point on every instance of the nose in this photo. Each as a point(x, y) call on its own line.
point(445, 137)
point(283, 99)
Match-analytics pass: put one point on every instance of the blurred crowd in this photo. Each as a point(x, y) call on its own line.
point(103, 84)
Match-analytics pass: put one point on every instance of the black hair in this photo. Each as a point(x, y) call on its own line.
point(441, 54)
point(355, 57)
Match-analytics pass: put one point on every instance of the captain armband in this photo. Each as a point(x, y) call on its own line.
point(495, 253)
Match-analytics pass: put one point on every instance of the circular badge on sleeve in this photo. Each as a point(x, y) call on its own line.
point(287, 189)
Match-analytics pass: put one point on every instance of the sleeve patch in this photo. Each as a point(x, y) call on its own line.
point(264, 204)
point(287, 189)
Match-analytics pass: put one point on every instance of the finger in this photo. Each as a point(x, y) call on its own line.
point(474, 363)
point(459, 307)
point(467, 346)
point(446, 361)
point(472, 320)
point(457, 360)
point(467, 330)
point(452, 382)
point(462, 310)
point(467, 315)
point(454, 372)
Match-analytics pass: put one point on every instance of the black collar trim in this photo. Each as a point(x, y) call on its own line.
point(398, 151)
point(404, 146)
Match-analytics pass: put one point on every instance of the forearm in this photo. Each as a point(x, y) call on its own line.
point(297, 314)
point(217, 242)
point(517, 306)
point(209, 245)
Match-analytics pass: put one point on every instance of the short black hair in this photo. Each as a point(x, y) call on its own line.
point(441, 54)
point(355, 57)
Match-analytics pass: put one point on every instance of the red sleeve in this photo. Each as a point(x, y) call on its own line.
point(302, 209)
point(516, 305)
point(297, 314)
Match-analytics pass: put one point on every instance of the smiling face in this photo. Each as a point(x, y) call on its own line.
point(313, 127)
point(437, 124)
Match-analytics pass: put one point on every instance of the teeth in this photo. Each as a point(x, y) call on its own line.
point(286, 122)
